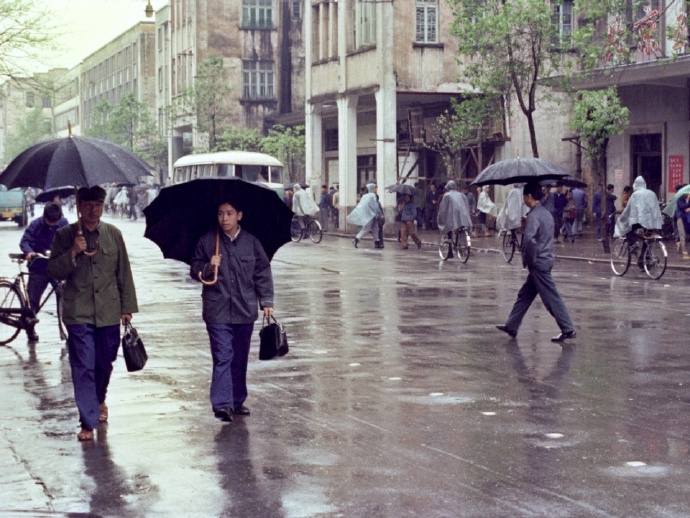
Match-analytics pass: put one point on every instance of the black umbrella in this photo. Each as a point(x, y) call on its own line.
point(50, 194)
point(78, 161)
point(178, 217)
point(402, 188)
point(568, 181)
point(519, 170)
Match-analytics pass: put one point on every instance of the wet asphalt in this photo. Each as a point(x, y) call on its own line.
point(398, 397)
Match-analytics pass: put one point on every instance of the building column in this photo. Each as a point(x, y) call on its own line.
point(347, 155)
point(313, 126)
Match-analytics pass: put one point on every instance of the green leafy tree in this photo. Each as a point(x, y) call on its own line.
point(25, 35)
point(31, 130)
point(100, 126)
point(508, 47)
point(125, 118)
point(239, 139)
point(287, 144)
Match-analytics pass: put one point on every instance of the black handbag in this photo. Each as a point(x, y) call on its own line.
point(272, 339)
point(133, 349)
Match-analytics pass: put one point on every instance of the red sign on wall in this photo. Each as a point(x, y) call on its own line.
point(675, 171)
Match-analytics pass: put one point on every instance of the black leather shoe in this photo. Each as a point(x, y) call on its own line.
point(355, 242)
point(242, 410)
point(507, 331)
point(564, 336)
point(224, 414)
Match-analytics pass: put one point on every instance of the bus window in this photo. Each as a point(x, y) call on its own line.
point(248, 172)
point(276, 175)
point(223, 170)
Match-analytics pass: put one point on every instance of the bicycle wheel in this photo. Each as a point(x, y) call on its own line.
point(314, 231)
point(655, 259)
point(463, 245)
point(445, 248)
point(12, 307)
point(295, 230)
point(508, 249)
point(620, 256)
point(58, 305)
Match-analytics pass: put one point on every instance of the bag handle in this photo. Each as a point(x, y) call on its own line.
point(266, 321)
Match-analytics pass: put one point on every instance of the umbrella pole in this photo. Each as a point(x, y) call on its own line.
point(215, 268)
point(79, 231)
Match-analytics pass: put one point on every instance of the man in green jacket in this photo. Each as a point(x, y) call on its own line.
point(98, 295)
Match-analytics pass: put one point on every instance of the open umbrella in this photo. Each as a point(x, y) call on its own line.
point(671, 206)
point(402, 188)
point(182, 213)
point(567, 181)
point(78, 161)
point(61, 192)
point(519, 170)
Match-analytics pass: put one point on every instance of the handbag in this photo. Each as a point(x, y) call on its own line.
point(133, 349)
point(272, 339)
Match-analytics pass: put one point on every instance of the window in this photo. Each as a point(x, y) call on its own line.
point(30, 99)
point(257, 80)
point(47, 102)
point(296, 9)
point(257, 14)
point(366, 23)
point(426, 21)
point(563, 23)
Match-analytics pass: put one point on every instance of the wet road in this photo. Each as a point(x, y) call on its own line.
point(398, 398)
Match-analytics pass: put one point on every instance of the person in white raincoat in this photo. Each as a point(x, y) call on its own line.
point(513, 210)
point(303, 205)
point(485, 206)
point(454, 211)
point(365, 214)
point(642, 211)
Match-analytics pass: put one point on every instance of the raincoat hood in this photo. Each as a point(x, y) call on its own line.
point(297, 187)
point(642, 209)
point(451, 186)
point(639, 183)
point(371, 187)
point(454, 212)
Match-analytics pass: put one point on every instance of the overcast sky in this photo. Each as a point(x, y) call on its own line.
point(87, 25)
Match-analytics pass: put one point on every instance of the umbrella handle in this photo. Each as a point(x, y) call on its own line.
point(88, 254)
point(215, 268)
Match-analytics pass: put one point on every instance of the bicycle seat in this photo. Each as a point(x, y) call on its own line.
point(17, 257)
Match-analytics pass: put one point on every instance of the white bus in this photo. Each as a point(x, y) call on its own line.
point(248, 165)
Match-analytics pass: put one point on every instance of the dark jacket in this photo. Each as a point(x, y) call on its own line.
point(38, 237)
point(537, 240)
point(244, 278)
point(610, 203)
point(559, 203)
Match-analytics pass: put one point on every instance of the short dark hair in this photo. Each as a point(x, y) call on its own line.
point(52, 212)
point(324, 187)
point(609, 187)
point(534, 189)
point(95, 193)
point(230, 200)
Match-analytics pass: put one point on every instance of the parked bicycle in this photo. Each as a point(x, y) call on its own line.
point(15, 312)
point(459, 242)
point(512, 240)
point(311, 228)
point(652, 255)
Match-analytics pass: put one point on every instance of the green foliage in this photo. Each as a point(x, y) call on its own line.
point(598, 116)
point(239, 139)
point(287, 144)
point(99, 121)
point(25, 35)
point(31, 130)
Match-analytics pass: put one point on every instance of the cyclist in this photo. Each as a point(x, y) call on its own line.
point(37, 240)
point(303, 206)
point(454, 211)
point(513, 210)
point(642, 211)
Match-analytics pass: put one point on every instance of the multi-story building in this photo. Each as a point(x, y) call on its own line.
point(260, 44)
point(67, 111)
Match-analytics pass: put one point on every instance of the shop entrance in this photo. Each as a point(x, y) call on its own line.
point(647, 160)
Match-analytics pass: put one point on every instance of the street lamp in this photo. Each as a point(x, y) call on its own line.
point(149, 10)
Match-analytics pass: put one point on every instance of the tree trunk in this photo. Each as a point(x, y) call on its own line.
point(601, 169)
point(532, 134)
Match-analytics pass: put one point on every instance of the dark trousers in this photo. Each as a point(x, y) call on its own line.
point(230, 352)
point(133, 211)
point(539, 281)
point(92, 351)
point(36, 286)
point(599, 224)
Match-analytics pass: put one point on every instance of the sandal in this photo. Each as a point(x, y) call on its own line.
point(85, 435)
point(103, 415)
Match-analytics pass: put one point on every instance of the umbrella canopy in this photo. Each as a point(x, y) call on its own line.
point(519, 170)
point(50, 194)
point(182, 213)
point(567, 181)
point(78, 161)
point(671, 206)
point(402, 188)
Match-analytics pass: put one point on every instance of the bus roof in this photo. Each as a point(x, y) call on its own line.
point(229, 157)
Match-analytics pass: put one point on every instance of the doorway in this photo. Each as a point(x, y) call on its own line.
point(647, 160)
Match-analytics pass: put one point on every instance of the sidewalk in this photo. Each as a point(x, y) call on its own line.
point(585, 248)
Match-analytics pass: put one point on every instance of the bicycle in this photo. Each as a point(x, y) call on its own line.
point(311, 228)
point(653, 254)
point(458, 242)
point(15, 313)
point(511, 242)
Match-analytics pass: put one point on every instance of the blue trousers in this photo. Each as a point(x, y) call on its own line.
point(92, 351)
point(539, 281)
point(230, 352)
point(38, 282)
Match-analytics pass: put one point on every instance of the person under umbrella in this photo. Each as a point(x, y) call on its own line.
point(243, 281)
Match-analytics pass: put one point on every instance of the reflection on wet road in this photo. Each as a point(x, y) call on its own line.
point(398, 398)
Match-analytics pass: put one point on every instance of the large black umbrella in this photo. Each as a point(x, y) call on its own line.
point(402, 188)
point(78, 161)
point(60, 192)
point(519, 170)
point(567, 181)
point(178, 217)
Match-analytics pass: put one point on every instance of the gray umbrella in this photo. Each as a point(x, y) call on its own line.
point(402, 188)
point(519, 170)
point(567, 181)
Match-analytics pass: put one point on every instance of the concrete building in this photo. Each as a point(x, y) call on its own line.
point(656, 89)
point(67, 112)
point(260, 42)
point(378, 76)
